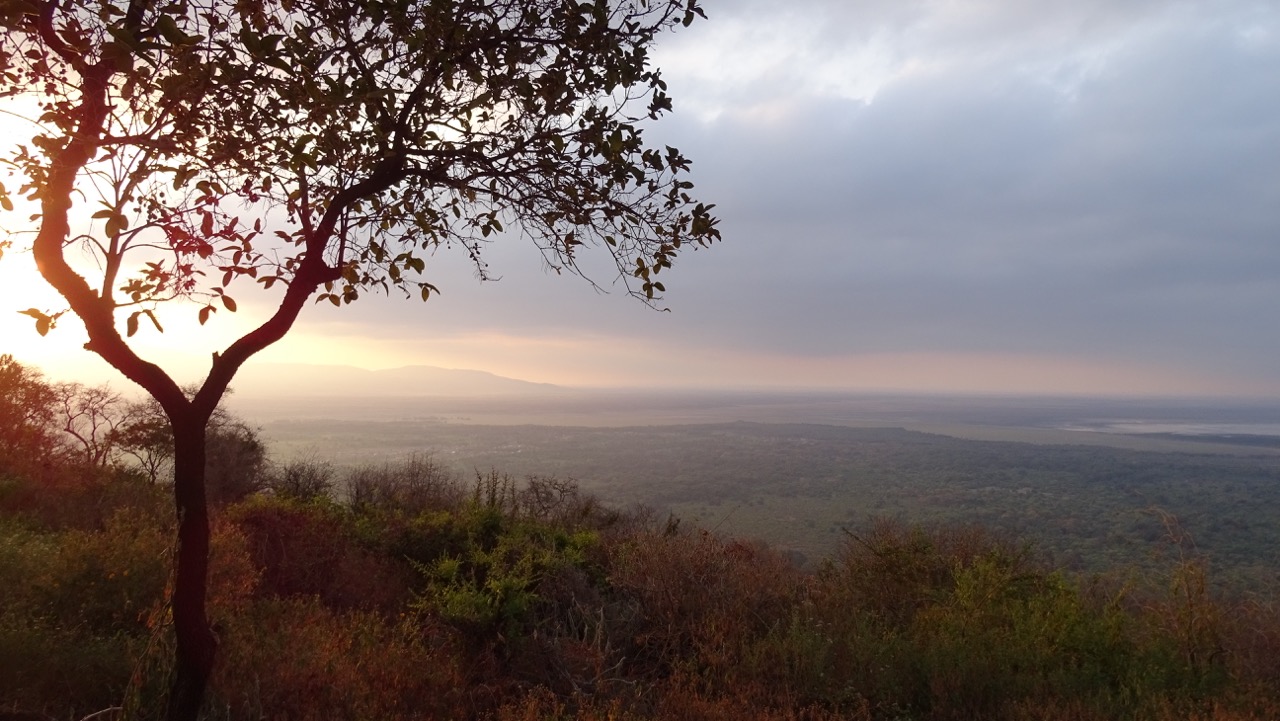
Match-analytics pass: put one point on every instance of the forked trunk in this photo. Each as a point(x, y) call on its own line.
point(196, 644)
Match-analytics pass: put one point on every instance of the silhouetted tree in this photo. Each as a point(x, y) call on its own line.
point(91, 416)
point(147, 438)
point(236, 458)
point(28, 415)
point(323, 148)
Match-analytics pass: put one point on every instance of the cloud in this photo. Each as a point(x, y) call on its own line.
point(1025, 177)
point(1084, 185)
point(754, 50)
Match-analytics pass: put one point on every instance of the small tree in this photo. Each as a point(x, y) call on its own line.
point(28, 415)
point(235, 457)
point(322, 148)
point(146, 438)
point(91, 416)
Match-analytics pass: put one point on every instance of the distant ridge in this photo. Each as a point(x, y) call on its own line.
point(316, 380)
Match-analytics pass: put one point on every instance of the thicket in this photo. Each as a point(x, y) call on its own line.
point(402, 591)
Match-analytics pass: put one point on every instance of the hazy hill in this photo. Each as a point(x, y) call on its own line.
point(301, 379)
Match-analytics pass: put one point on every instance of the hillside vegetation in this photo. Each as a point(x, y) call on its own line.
point(798, 486)
point(401, 590)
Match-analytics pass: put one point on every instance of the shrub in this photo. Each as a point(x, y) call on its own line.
point(107, 581)
point(415, 486)
point(61, 671)
point(73, 497)
point(311, 549)
point(491, 585)
point(702, 603)
point(303, 480)
point(75, 608)
point(298, 659)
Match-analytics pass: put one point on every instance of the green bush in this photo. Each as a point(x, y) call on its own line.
point(491, 584)
point(59, 670)
point(113, 579)
point(76, 609)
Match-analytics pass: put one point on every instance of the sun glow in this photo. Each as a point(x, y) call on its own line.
point(184, 348)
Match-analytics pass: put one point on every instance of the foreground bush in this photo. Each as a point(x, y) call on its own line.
point(505, 600)
point(299, 659)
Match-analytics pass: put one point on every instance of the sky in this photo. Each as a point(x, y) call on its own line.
point(995, 196)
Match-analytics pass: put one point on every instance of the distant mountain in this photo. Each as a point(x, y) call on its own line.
point(301, 379)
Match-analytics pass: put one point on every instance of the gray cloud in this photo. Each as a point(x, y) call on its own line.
point(985, 204)
point(1096, 179)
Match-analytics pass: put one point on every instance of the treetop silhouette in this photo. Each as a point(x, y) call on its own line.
point(320, 149)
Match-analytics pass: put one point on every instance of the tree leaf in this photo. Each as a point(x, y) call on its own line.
point(43, 321)
point(116, 224)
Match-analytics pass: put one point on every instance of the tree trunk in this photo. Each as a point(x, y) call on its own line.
point(196, 644)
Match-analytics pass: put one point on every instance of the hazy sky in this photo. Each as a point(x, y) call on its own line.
point(993, 195)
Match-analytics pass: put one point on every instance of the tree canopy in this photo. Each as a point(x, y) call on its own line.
point(332, 145)
point(323, 148)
